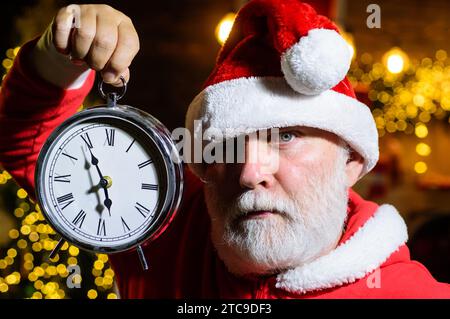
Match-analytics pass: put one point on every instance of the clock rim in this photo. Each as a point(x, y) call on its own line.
point(168, 157)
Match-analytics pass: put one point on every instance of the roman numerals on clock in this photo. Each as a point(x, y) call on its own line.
point(151, 187)
point(125, 227)
point(103, 184)
point(62, 178)
point(144, 211)
point(101, 228)
point(146, 163)
point(110, 134)
point(65, 200)
point(87, 140)
point(79, 219)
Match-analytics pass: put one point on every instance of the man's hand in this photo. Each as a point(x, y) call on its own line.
point(105, 39)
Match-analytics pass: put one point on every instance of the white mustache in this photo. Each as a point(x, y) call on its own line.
point(252, 201)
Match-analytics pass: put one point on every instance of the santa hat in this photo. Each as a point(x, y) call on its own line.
point(283, 65)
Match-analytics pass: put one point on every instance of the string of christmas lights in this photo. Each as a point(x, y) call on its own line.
point(25, 271)
point(406, 96)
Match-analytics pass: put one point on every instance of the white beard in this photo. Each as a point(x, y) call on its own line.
point(310, 223)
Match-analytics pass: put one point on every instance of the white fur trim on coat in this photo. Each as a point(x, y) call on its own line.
point(364, 252)
point(245, 105)
point(316, 63)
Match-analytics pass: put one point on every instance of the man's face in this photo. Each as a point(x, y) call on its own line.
point(264, 221)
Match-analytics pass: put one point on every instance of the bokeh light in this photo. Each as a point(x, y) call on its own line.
point(223, 29)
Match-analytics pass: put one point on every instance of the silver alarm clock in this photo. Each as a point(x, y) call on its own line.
point(109, 178)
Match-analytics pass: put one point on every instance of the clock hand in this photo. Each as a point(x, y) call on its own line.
point(107, 202)
point(94, 188)
point(103, 182)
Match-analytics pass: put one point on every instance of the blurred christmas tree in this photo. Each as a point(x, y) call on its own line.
point(26, 241)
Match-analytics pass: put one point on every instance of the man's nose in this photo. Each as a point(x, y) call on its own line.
point(258, 166)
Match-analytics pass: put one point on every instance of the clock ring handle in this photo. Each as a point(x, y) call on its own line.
point(113, 97)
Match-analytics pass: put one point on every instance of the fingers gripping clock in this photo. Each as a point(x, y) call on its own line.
point(109, 178)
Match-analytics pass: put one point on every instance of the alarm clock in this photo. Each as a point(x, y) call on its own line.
point(109, 178)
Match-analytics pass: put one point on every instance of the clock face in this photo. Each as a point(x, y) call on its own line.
point(101, 183)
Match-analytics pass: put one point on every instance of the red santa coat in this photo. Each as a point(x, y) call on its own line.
point(370, 261)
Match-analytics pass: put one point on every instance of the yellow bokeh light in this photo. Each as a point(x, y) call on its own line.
point(425, 117)
point(72, 261)
point(109, 273)
point(423, 149)
point(96, 272)
point(441, 55)
point(92, 294)
point(32, 276)
point(39, 271)
point(13, 234)
point(25, 230)
point(61, 293)
point(51, 270)
point(18, 212)
point(25, 206)
point(102, 257)
point(224, 27)
point(10, 279)
point(10, 53)
point(22, 244)
point(7, 63)
point(9, 261)
point(74, 251)
point(419, 100)
point(111, 296)
point(3, 287)
point(395, 63)
point(28, 257)
point(98, 281)
point(33, 236)
point(61, 269)
point(13, 279)
point(395, 60)
point(420, 167)
point(445, 103)
point(41, 228)
point(98, 265)
point(107, 281)
point(12, 253)
point(37, 247)
point(38, 284)
point(28, 265)
point(21, 193)
point(49, 244)
point(36, 295)
point(421, 131)
point(391, 127)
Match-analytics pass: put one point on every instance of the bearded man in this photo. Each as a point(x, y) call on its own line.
point(244, 230)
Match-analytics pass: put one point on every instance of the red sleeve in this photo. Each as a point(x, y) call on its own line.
point(30, 109)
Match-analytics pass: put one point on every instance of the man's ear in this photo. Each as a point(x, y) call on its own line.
point(354, 167)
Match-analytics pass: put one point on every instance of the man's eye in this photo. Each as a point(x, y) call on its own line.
point(286, 137)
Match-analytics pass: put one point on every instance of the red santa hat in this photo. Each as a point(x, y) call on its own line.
point(283, 65)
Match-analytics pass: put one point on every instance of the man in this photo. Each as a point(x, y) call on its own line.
point(249, 230)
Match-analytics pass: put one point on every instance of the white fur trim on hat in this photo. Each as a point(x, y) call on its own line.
point(316, 63)
point(365, 251)
point(245, 105)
